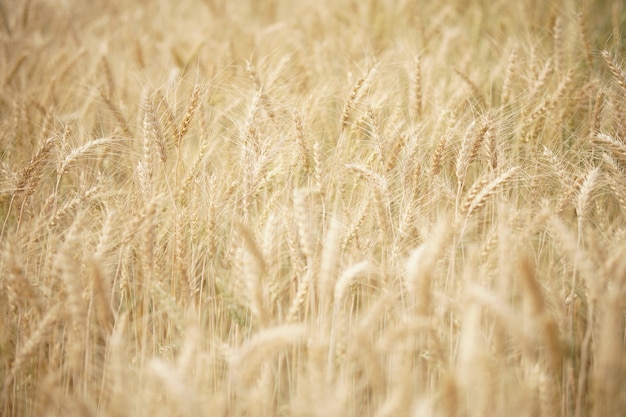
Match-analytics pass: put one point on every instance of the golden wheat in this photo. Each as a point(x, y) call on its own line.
point(314, 208)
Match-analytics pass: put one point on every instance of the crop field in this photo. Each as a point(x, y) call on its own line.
point(315, 208)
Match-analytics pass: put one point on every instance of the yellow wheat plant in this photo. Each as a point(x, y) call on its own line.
point(312, 208)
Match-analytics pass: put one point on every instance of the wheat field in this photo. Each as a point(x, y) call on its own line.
point(312, 208)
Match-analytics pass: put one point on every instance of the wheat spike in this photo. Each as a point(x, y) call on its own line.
point(191, 110)
point(301, 141)
point(618, 73)
point(584, 35)
point(354, 95)
point(255, 266)
point(477, 196)
point(74, 154)
point(15, 68)
point(584, 194)
point(417, 88)
point(505, 96)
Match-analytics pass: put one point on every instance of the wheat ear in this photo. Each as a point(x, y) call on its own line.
point(505, 96)
point(152, 128)
point(557, 43)
point(354, 94)
point(191, 110)
point(417, 88)
point(584, 35)
point(256, 351)
point(616, 70)
point(469, 151)
point(15, 68)
point(584, 194)
point(108, 76)
point(74, 154)
point(534, 294)
point(29, 347)
point(478, 95)
point(596, 117)
point(477, 197)
point(170, 121)
point(255, 266)
point(301, 141)
point(329, 263)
